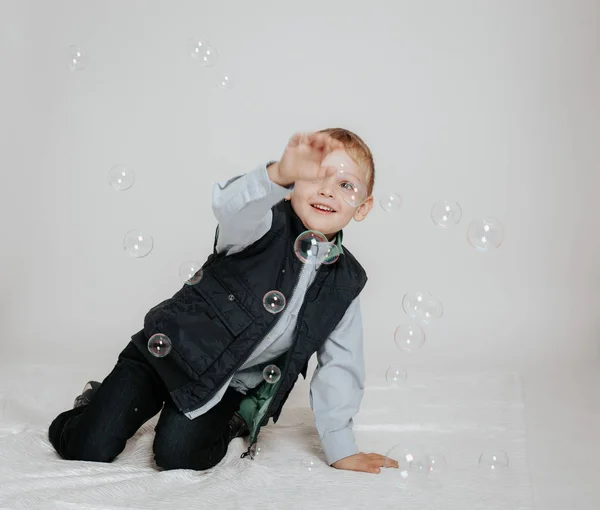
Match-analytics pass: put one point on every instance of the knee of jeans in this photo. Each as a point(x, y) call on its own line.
point(88, 451)
point(168, 456)
point(81, 447)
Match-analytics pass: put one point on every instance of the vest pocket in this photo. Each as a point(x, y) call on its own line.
point(224, 303)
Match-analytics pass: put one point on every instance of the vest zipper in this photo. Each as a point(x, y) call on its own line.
point(213, 393)
point(288, 357)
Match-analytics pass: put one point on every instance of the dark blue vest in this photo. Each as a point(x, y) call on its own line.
point(215, 325)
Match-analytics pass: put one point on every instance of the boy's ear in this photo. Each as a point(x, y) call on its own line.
point(364, 208)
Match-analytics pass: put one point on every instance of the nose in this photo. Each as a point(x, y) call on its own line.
point(325, 191)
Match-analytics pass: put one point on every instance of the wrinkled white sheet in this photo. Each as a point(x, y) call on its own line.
point(457, 416)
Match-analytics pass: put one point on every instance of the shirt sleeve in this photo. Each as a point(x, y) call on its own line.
point(337, 385)
point(242, 206)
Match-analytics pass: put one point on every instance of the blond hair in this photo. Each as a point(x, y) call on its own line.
point(358, 150)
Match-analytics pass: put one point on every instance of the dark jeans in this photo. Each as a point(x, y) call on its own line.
point(129, 396)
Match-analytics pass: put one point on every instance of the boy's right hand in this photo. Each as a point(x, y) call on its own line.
point(302, 158)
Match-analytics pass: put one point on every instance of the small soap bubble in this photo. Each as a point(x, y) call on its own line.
point(78, 59)
point(485, 235)
point(437, 465)
point(137, 243)
point(390, 202)
point(331, 251)
point(396, 376)
point(190, 273)
point(271, 374)
point(121, 178)
point(159, 345)
point(409, 337)
point(411, 463)
point(422, 306)
point(202, 51)
point(274, 301)
point(255, 451)
point(310, 464)
point(311, 247)
point(493, 460)
point(225, 82)
point(446, 213)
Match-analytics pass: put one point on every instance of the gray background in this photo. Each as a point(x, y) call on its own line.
point(492, 104)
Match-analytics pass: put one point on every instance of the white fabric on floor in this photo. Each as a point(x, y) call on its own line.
point(456, 416)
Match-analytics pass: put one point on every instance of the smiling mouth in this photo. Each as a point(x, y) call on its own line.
point(323, 209)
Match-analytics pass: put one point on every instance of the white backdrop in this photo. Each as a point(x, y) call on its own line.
point(492, 104)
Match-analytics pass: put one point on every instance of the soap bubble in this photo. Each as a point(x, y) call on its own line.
point(332, 253)
point(255, 451)
point(78, 59)
point(493, 460)
point(271, 374)
point(202, 51)
point(446, 213)
point(348, 185)
point(390, 202)
point(137, 243)
point(310, 464)
point(225, 82)
point(486, 234)
point(409, 337)
point(190, 273)
point(396, 376)
point(354, 192)
point(121, 178)
point(312, 247)
point(274, 301)
point(411, 464)
point(159, 345)
point(422, 306)
point(437, 465)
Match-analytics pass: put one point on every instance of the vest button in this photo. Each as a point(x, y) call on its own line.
point(231, 297)
point(283, 270)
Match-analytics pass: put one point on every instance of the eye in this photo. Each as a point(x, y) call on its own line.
point(348, 186)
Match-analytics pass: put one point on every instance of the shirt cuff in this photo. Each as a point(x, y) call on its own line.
point(276, 186)
point(338, 444)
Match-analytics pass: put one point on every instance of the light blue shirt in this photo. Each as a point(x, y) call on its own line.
point(242, 207)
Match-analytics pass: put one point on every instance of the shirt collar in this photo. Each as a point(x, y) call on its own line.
point(338, 242)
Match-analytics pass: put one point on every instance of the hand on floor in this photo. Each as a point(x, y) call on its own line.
point(366, 462)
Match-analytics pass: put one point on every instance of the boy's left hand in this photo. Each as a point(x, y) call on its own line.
point(366, 462)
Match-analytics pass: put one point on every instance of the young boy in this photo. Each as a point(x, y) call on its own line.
point(210, 385)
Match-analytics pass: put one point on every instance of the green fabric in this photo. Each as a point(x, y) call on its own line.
point(256, 402)
point(338, 241)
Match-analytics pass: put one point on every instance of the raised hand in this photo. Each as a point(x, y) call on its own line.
point(302, 158)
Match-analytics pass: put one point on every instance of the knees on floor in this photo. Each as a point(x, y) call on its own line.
point(169, 456)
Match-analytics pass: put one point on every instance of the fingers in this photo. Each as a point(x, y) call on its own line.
point(366, 467)
point(333, 144)
point(325, 171)
point(319, 141)
point(324, 143)
point(383, 460)
point(295, 140)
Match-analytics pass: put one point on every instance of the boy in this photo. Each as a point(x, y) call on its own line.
point(210, 385)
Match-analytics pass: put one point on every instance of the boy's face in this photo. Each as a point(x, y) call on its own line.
point(328, 205)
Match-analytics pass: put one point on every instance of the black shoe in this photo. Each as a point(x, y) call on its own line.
point(237, 427)
point(86, 395)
